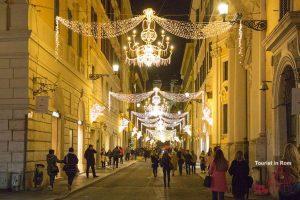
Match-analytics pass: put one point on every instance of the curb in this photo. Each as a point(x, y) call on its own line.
point(89, 184)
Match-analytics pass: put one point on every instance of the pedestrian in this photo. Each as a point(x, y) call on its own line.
point(209, 158)
point(145, 154)
point(180, 161)
point(287, 174)
point(174, 161)
point(239, 170)
point(193, 162)
point(127, 153)
point(217, 170)
point(166, 165)
point(154, 161)
point(52, 168)
point(90, 160)
point(202, 162)
point(116, 156)
point(103, 158)
point(109, 156)
point(70, 167)
point(188, 160)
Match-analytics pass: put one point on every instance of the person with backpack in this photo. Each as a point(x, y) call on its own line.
point(52, 168)
point(239, 170)
point(70, 167)
point(217, 171)
point(116, 155)
point(287, 175)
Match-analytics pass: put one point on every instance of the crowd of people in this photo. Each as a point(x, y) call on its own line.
point(213, 163)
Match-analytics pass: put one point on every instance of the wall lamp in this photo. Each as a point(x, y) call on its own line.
point(257, 25)
point(264, 85)
point(94, 76)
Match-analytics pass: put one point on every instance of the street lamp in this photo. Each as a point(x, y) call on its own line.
point(257, 25)
point(94, 76)
point(223, 9)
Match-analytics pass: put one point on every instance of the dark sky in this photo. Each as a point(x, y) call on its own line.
point(172, 9)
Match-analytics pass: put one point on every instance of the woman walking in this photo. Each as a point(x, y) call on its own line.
point(288, 175)
point(155, 161)
point(71, 169)
point(193, 162)
point(209, 158)
point(239, 170)
point(180, 161)
point(174, 161)
point(217, 170)
point(202, 162)
point(166, 165)
point(52, 168)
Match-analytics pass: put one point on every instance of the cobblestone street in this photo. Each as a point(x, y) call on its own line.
point(137, 182)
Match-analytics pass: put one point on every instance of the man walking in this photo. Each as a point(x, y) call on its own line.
point(188, 160)
point(116, 155)
point(90, 160)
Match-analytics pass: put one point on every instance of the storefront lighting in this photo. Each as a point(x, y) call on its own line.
point(79, 122)
point(56, 114)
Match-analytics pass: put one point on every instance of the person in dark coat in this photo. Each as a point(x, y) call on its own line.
point(90, 160)
point(155, 161)
point(239, 170)
point(188, 162)
point(166, 165)
point(116, 155)
point(180, 161)
point(109, 155)
point(52, 168)
point(71, 168)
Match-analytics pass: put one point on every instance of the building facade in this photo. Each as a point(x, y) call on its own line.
point(29, 68)
point(248, 78)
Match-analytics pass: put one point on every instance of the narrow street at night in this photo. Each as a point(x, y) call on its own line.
point(137, 183)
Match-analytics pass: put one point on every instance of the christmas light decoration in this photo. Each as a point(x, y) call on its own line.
point(134, 131)
point(180, 97)
point(131, 98)
point(148, 54)
point(206, 115)
point(187, 130)
point(124, 124)
point(189, 30)
point(96, 111)
point(139, 135)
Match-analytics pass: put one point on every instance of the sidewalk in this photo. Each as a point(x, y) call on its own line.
point(229, 195)
point(60, 190)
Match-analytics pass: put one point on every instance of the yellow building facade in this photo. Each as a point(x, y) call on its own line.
point(246, 114)
point(28, 63)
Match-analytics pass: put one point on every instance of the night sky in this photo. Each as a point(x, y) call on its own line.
point(172, 9)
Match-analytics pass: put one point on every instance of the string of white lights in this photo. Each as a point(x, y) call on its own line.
point(191, 30)
point(180, 97)
point(131, 98)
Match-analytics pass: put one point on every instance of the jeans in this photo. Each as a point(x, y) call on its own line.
point(116, 162)
point(103, 164)
point(180, 169)
point(88, 166)
point(155, 171)
point(217, 195)
point(52, 178)
point(188, 168)
point(166, 175)
point(194, 168)
point(71, 177)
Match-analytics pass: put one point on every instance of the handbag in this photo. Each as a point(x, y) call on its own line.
point(54, 169)
point(207, 181)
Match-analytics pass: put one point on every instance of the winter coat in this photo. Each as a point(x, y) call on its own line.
point(194, 158)
point(239, 170)
point(166, 162)
point(218, 178)
point(89, 156)
point(70, 161)
point(174, 161)
point(116, 153)
point(155, 161)
point(188, 158)
point(102, 156)
point(52, 168)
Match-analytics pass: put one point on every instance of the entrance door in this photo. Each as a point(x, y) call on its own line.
point(80, 147)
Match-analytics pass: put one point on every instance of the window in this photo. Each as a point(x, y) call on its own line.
point(225, 71)
point(79, 44)
point(70, 33)
point(94, 19)
point(285, 7)
point(56, 11)
point(225, 118)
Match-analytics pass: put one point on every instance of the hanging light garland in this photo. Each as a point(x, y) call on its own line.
point(181, 97)
point(130, 98)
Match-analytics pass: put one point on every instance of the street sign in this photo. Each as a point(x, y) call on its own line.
point(41, 104)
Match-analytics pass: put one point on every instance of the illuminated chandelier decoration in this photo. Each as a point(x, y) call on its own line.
point(148, 54)
point(156, 108)
point(96, 111)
